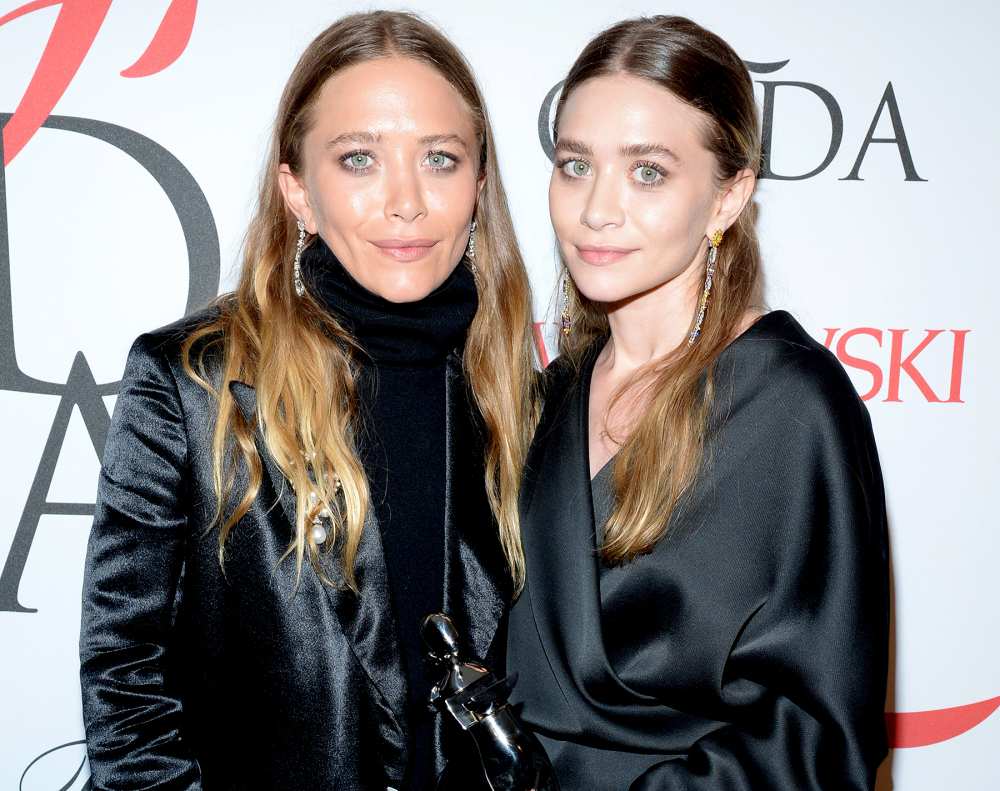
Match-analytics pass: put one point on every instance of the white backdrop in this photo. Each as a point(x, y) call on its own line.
point(895, 270)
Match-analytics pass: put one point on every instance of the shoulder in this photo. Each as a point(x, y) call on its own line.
point(564, 373)
point(780, 397)
point(556, 385)
point(167, 342)
point(779, 364)
point(162, 351)
point(156, 395)
point(556, 376)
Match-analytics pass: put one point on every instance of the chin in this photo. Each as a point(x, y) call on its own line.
point(407, 286)
point(606, 289)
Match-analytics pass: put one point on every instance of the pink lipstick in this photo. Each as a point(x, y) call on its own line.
point(405, 249)
point(601, 255)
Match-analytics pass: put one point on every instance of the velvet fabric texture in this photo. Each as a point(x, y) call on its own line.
point(748, 650)
point(197, 679)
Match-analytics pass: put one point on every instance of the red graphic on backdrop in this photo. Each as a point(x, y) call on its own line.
point(902, 359)
point(886, 375)
point(543, 353)
point(72, 36)
point(920, 728)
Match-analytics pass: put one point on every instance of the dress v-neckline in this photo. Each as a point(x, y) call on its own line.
point(588, 380)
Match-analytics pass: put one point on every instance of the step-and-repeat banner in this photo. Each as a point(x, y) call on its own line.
point(133, 134)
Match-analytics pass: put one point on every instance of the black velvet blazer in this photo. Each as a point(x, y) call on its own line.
point(748, 650)
point(193, 678)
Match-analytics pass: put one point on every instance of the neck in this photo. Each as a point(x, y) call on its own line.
point(407, 334)
point(651, 325)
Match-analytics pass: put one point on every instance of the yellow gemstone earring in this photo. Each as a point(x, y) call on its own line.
point(713, 253)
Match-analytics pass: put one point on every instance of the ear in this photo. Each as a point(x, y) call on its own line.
point(296, 197)
point(732, 199)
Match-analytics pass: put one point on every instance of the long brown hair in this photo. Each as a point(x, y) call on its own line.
point(302, 361)
point(664, 450)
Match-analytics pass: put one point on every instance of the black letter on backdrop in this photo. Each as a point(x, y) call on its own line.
point(81, 389)
point(836, 128)
point(888, 100)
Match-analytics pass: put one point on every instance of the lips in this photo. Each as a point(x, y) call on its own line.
point(404, 249)
point(601, 255)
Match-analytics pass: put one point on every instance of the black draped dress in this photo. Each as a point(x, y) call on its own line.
point(748, 650)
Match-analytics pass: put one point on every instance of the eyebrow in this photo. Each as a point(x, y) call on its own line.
point(430, 140)
point(354, 137)
point(368, 138)
point(571, 146)
point(648, 150)
point(633, 150)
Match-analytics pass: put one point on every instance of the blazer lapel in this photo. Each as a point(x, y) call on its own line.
point(476, 585)
point(477, 590)
point(365, 618)
point(246, 401)
point(367, 621)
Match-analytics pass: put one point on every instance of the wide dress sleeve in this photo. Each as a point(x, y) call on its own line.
point(809, 667)
point(131, 589)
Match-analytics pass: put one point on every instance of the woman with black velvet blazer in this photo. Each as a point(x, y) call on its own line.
point(706, 604)
point(296, 476)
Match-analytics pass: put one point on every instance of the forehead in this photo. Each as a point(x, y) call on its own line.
point(619, 109)
point(391, 95)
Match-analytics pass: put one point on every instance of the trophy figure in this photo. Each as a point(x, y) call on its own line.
point(512, 758)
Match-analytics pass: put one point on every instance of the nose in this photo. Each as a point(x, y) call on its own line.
point(603, 208)
point(404, 197)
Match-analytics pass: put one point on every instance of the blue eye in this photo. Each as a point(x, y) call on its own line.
point(575, 168)
point(358, 161)
point(647, 174)
point(440, 160)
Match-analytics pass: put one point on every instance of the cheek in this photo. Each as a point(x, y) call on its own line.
point(450, 198)
point(563, 206)
point(343, 201)
point(669, 220)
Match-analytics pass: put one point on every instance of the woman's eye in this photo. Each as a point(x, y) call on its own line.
point(647, 175)
point(438, 160)
point(576, 168)
point(358, 161)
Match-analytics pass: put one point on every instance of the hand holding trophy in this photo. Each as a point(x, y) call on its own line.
point(512, 758)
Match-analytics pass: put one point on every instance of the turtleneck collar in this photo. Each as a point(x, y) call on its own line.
point(406, 334)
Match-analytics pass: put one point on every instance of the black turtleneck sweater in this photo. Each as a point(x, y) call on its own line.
point(402, 389)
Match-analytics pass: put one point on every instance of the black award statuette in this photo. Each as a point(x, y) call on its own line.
point(512, 758)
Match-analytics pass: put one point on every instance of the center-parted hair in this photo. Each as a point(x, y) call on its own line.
point(302, 362)
point(664, 450)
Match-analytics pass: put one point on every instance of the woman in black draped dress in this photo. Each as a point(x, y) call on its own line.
point(703, 515)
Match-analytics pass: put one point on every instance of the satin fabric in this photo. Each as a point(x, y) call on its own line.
point(193, 678)
point(748, 650)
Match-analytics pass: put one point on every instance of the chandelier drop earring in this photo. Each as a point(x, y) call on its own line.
point(470, 249)
point(566, 320)
point(713, 253)
point(300, 288)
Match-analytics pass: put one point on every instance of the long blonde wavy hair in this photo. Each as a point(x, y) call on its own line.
point(664, 450)
point(301, 361)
